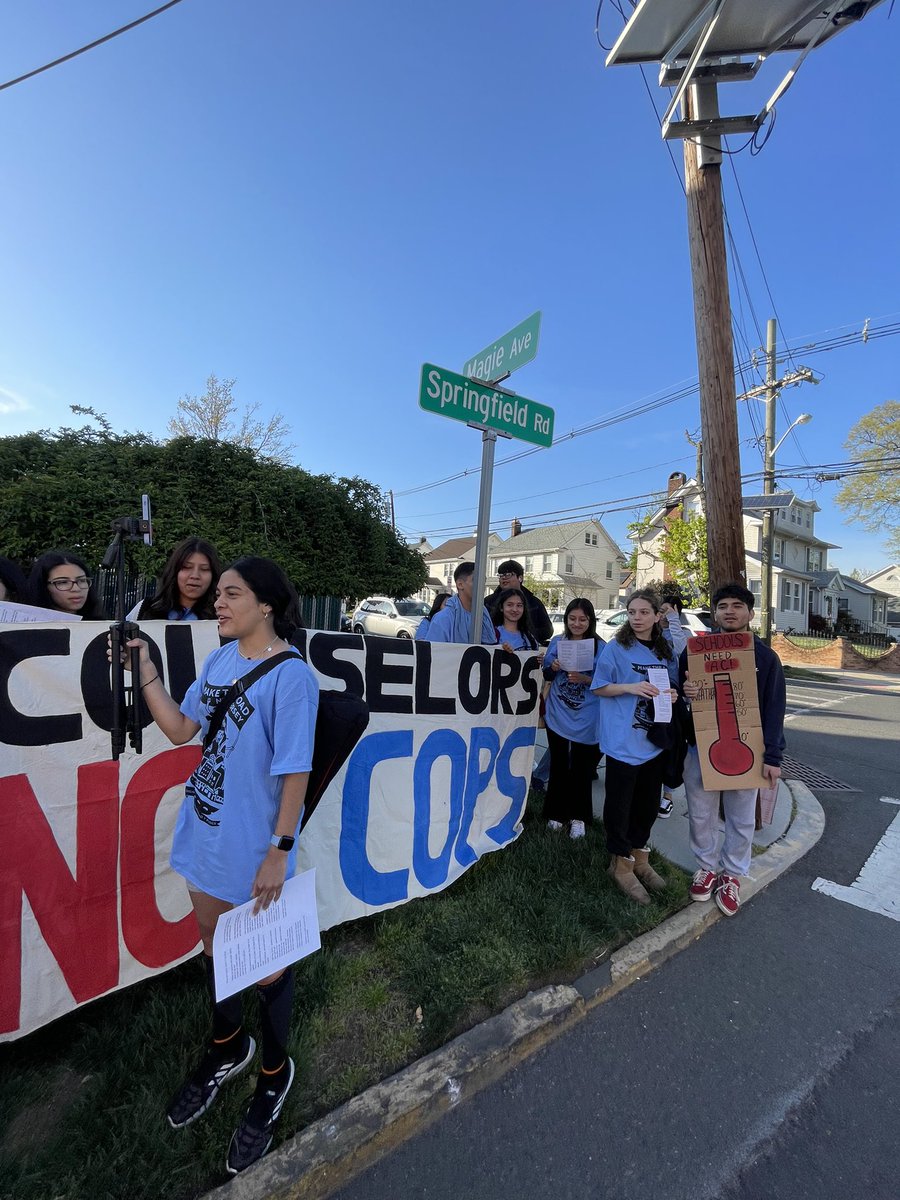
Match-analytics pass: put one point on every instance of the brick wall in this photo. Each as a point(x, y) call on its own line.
point(838, 653)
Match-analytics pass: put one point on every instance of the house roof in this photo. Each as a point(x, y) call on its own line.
point(894, 567)
point(854, 585)
point(548, 538)
point(825, 579)
point(453, 548)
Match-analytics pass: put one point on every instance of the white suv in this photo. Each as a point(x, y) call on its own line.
point(384, 617)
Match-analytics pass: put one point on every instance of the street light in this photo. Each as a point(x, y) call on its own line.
point(768, 529)
point(803, 419)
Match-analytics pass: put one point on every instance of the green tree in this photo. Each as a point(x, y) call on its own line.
point(214, 416)
point(873, 495)
point(683, 550)
point(66, 487)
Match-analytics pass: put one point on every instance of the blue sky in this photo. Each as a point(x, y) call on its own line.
point(316, 198)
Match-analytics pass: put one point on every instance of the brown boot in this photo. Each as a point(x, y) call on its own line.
point(621, 870)
point(645, 873)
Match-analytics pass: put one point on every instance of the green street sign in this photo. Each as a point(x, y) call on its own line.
point(451, 395)
point(513, 350)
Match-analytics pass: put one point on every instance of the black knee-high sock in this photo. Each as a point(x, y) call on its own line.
point(275, 1002)
point(227, 1015)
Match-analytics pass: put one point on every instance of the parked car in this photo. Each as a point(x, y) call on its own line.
point(694, 620)
point(384, 617)
point(558, 621)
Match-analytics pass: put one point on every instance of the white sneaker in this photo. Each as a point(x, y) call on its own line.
point(554, 826)
point(576, 829)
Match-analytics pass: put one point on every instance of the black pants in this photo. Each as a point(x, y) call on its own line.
point(572, 766)
point(632, 802)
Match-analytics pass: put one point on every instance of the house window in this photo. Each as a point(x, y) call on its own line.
point(808, 517)
point(814, 560)
point(570, 564)
point(546, 563)
point(587, 539)
point(529, 564)
point(791, 596)
point(755, 587)
point(778, 550)
point(590, 539)
point(609, 568)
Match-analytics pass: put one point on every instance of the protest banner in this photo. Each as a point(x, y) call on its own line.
point(88, 903)
point(726, 712)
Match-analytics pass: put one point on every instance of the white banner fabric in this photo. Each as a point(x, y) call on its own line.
point(88, 902)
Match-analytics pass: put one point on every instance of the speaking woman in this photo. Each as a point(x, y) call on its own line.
point(235, 835)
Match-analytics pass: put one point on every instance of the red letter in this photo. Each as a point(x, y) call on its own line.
point(150, 938)
point(77, 916)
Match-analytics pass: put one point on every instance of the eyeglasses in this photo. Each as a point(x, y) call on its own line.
point(82, 583)
point(507, 575)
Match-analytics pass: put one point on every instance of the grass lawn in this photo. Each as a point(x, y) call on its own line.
point(82, 1101)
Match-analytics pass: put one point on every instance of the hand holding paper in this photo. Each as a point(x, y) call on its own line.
point(662, 703)
point(248, 947)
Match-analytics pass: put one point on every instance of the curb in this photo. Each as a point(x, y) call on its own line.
point(329, 1152)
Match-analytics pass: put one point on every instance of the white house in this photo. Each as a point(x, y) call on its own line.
point(887, 580)
point(576, 559)
point(847, 602)
point(443, 560)
point(799, 557)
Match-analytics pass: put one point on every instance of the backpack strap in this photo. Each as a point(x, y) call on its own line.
point(239, 687)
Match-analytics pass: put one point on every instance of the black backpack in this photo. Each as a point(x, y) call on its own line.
point(341, 721)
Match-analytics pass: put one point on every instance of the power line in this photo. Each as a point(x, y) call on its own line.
point(654, 499)
point(868, 333)
point(90, 46)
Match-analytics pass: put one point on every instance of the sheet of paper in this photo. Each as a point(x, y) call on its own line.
point(10, 611)
point(247, 948)
point(662, 704)
point(576, 655)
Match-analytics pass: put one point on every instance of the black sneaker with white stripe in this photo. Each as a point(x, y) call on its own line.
point(253, 1136)
point(202, 1086)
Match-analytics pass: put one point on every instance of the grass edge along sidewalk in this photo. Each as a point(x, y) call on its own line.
point(79, 1121)
point(331, 1151)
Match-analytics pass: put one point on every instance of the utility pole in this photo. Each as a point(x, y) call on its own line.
point(715, 351)
point(771, 390)
point(768, 521)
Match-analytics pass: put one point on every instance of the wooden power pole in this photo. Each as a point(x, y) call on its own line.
point(715, 360)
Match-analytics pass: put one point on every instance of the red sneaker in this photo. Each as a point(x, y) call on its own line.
point(728, 895)
point(704, 884)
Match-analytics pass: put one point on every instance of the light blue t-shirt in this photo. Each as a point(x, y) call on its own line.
point(625, 719)
point(514, 638)
point(232, 799)
point(453, 624)
point(571, 708)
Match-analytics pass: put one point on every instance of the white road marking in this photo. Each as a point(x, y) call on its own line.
point(800, 712)
point(888, 800)
point(877, 887)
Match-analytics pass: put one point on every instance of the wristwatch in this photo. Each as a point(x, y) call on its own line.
point(282, 842)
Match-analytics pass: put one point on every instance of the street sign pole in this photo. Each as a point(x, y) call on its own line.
point(475, 394)
point(482, 533)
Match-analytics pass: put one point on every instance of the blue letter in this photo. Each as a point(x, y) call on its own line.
point(483, 737)
point(360, 877)
point(511, 785)
point(432, 872)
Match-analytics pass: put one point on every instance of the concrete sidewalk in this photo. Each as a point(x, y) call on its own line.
point(329, 1152)
point(670, 834)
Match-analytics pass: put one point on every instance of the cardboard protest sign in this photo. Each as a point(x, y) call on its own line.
point(726, 713)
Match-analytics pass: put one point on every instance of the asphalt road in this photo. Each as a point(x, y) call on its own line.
point(762, 1061)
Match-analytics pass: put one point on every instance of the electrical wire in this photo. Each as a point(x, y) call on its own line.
point(654, 499)
point(872, 333)
point(90, 46)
